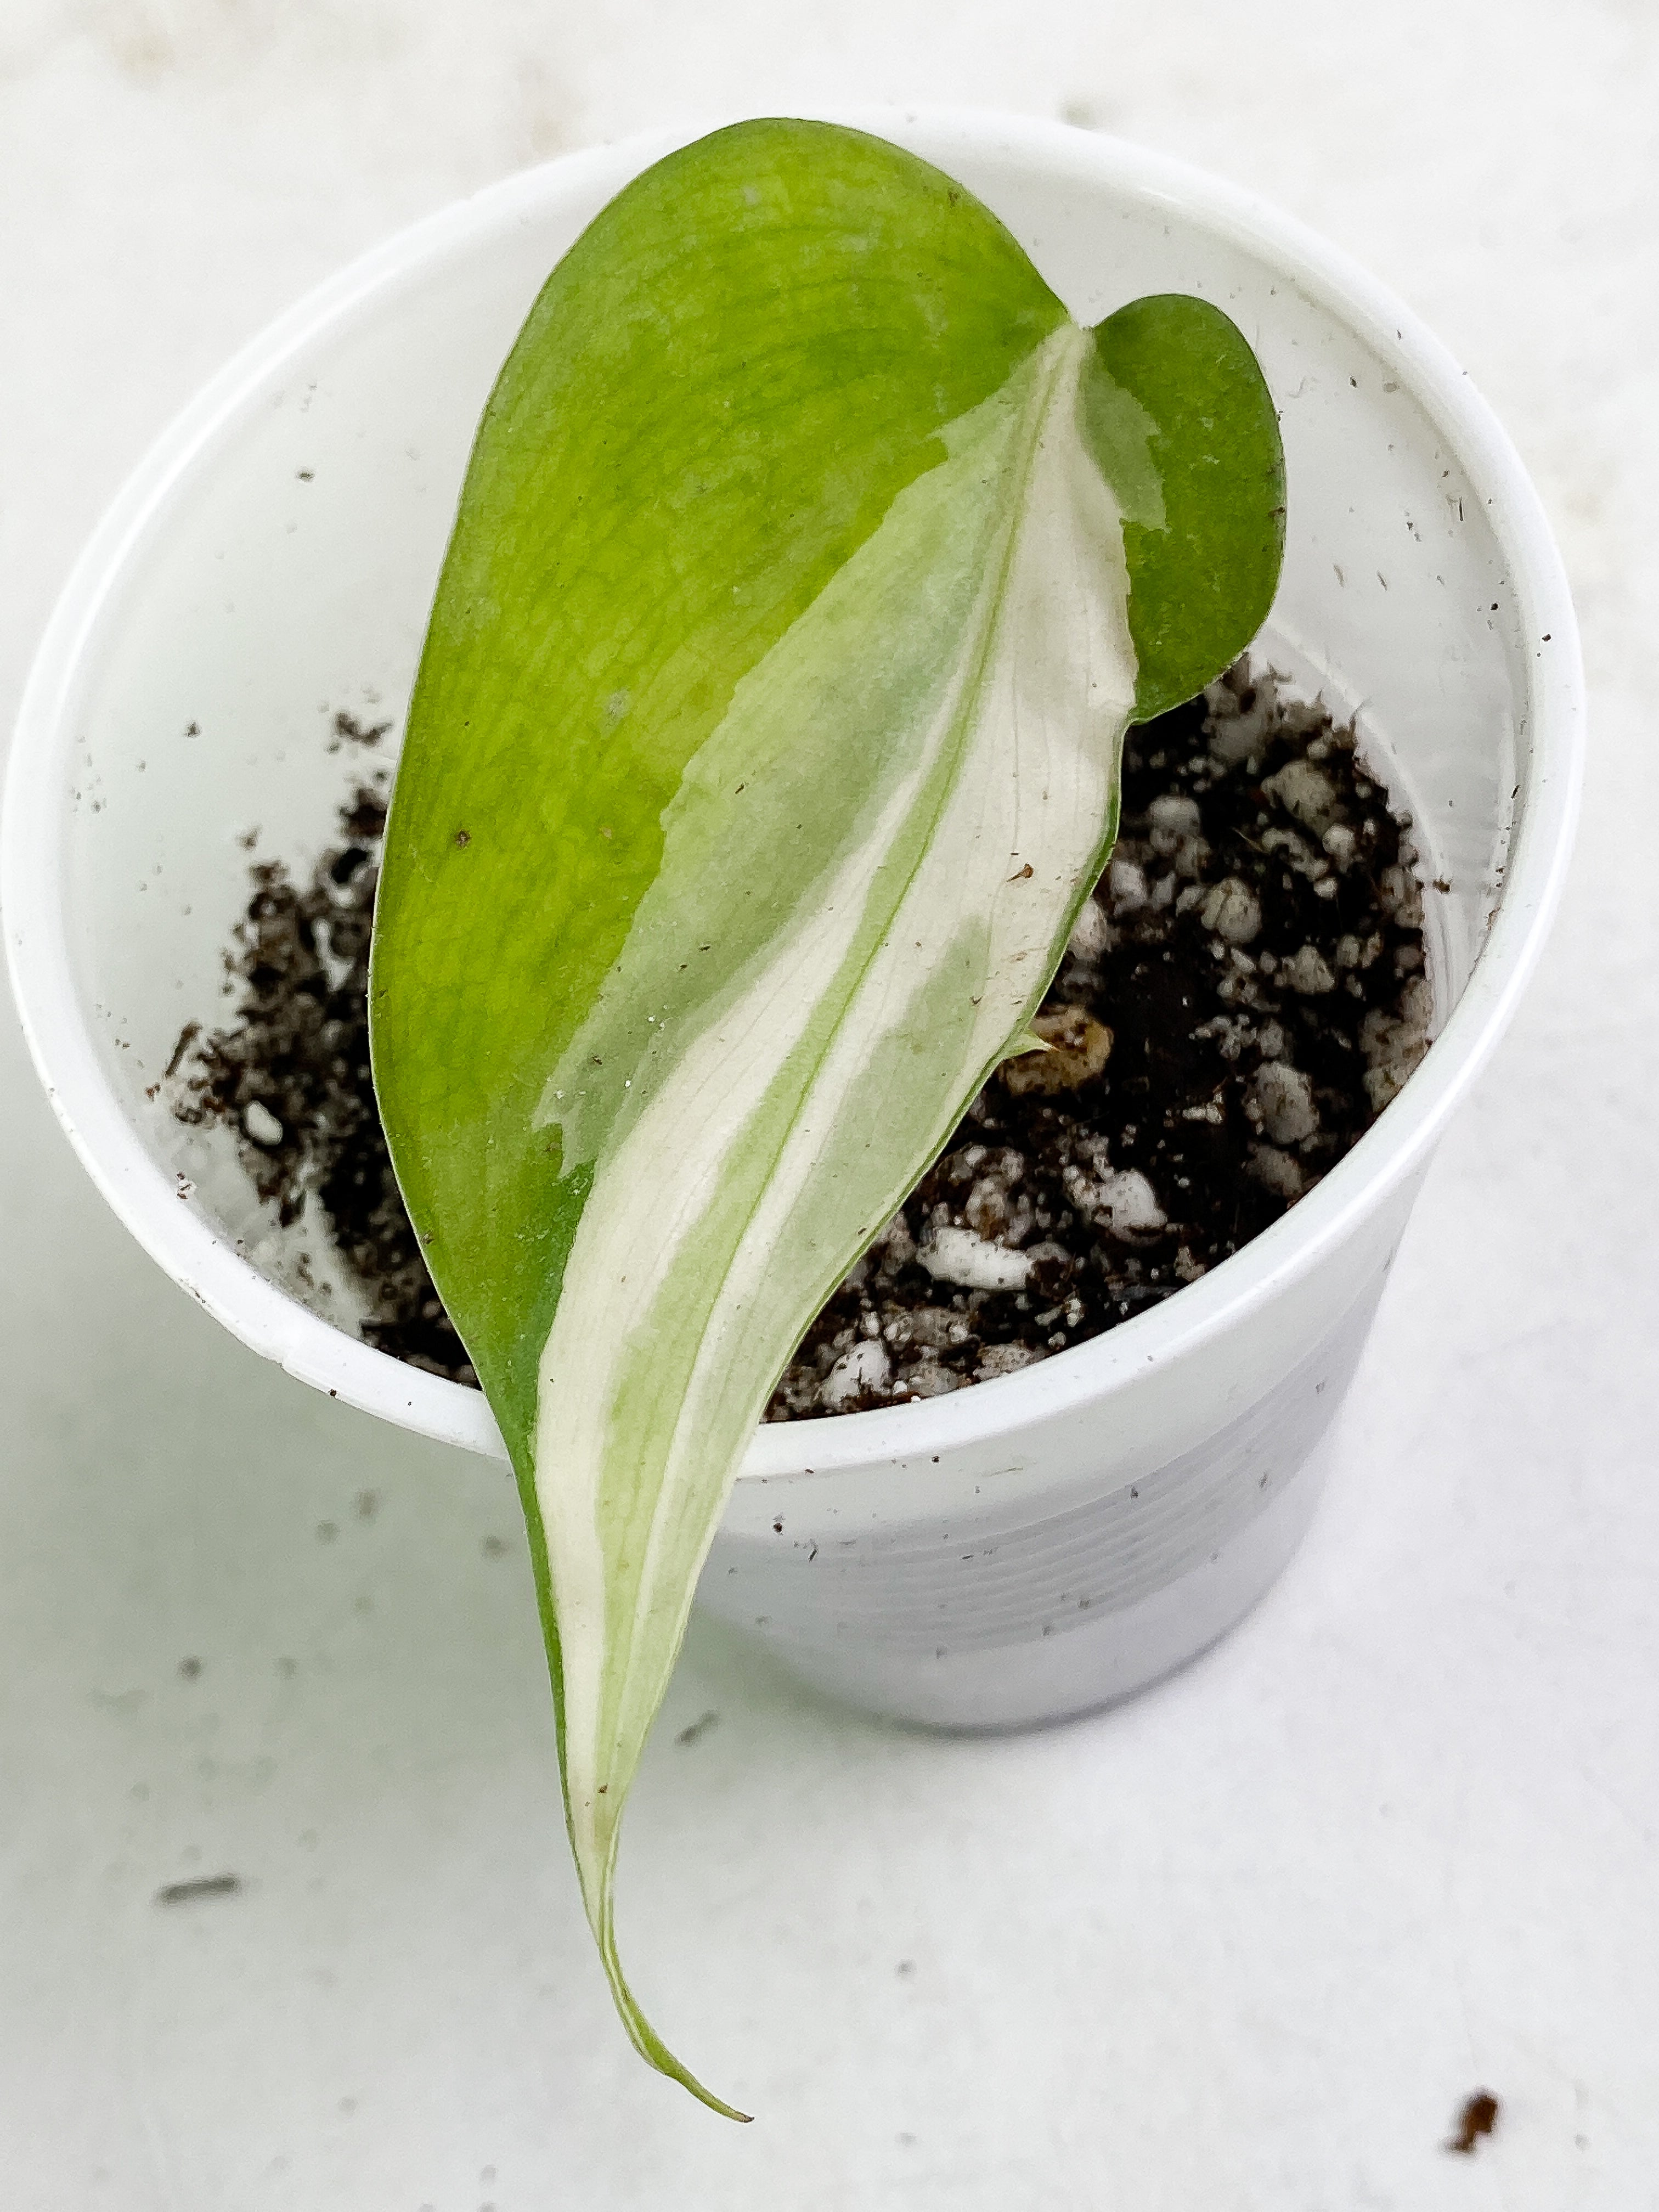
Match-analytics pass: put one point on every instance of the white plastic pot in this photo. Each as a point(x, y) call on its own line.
point(1027, 1548)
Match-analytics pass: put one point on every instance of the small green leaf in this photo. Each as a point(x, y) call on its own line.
point(764, 746)
point(1180, 417)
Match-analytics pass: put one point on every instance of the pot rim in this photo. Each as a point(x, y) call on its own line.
point(266, 1318)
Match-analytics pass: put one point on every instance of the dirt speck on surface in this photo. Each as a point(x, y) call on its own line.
point(1478, 2117)
point(698, 1729)
point(348, 730)
point(1243, 994)
point(199, 1885)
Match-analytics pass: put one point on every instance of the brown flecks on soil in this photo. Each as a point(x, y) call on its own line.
point(1242, 995)
point(187, 1037)
point(205, 1884)
point(1478, 2117)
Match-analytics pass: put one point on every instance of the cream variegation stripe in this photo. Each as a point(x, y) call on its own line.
point(794, 1102)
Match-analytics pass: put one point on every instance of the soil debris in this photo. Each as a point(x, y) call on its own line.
point(1478, 2117)
point(200, 1885)
point(347, 730)
point(291, 1076)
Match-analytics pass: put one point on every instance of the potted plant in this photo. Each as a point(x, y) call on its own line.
point(1043, 1542)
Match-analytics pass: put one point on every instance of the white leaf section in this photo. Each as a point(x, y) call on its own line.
point(970, 670)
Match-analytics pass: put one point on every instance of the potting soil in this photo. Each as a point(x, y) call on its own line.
point(1244, 992)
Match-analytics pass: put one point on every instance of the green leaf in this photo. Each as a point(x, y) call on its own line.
point(764, 746)
point(1179, 416)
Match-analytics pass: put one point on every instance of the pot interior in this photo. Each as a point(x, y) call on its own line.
point(283, 578)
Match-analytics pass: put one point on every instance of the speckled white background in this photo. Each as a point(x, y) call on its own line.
point(1245, 1946)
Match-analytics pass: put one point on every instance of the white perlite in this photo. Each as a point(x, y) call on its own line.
point(927, 1329)
point(1401, 896)
point(1120, 1200)
point(897, 1243)
point(957, 1255)
point(1173, 816)
point(1176, 835)
point(1278, 1172)
point(1235, 732)
point(866, 1367)
point(1293, 848)
point(1351, 952)
point(1092, 935)
point(1307, 795)
point(1233, 911)
point(1308, 972)
point(261, 1125)
point(1005, 1359)
point(1393, 1048)
point(1280, 1100)
point(1126, 881)
point(929, 1379)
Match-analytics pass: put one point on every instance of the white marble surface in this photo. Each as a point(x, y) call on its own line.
point(1246, 1944)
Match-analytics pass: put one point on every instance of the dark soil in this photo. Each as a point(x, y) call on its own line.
point(1242, 996)
point(291, 1076)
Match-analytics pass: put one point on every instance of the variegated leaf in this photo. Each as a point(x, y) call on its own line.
point(810, 566)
